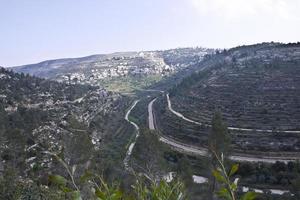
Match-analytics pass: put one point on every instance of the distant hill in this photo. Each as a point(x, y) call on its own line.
point(123, 71)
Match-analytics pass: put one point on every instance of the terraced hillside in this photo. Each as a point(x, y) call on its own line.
point(257, 90)
point(123, 72)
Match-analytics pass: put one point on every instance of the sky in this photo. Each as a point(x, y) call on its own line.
point(35, 30)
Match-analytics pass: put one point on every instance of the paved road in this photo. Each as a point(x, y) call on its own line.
point(150, 117)
point(183, 147)
point(175, 144)
point(203, 151)
point(131, 146)
point(179, 114)
point(230, 127)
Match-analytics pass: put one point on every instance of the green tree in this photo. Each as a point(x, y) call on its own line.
point(219, 144)
point(219, 138)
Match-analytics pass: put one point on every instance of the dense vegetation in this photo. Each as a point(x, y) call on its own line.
point(39, 116)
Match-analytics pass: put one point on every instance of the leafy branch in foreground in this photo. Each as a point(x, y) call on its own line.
point(99, 190)
point(145, 188)
point(228, 190)
point(158, 189)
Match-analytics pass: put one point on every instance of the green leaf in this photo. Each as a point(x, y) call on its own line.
point(117, 195)
point(234, 169)
point(249, 196)
point(233, 186)
point(58, 180)
point(224, 193)
point(65, 189)
point(75, 195)
point(100, 194)
point(219, 176)
point(86, 176)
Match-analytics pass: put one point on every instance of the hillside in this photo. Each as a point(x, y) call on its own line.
point(75, 121)
point(256, 88)
point(123, 72)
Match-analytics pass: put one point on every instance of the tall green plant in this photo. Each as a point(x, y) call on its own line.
point(145, 188)
point(228, 190)
point(159, 189)
point(219, 139)
point(219, 143)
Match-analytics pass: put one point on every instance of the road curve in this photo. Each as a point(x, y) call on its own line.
point(175, 144)
point(181, 147)
point(131, 146)
point(229, 128)
point(179, 114)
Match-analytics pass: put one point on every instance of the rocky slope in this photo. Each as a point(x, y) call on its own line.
point(136, 68)
point(39, 116)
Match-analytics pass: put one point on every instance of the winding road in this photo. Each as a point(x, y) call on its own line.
point(229, 128)
point(204, 151)
point(131, 146)
point(184, 148)
point(175, 144)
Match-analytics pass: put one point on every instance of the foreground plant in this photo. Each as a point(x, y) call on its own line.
point(99, 189)
point(158, 189)
point(145, 188)
point(228, 190)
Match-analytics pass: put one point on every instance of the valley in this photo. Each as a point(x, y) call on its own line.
point(171, 137)
point(182, 148)
point(150, 100)
point(151, 113)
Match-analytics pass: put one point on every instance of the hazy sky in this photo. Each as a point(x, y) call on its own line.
point(36, 30)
